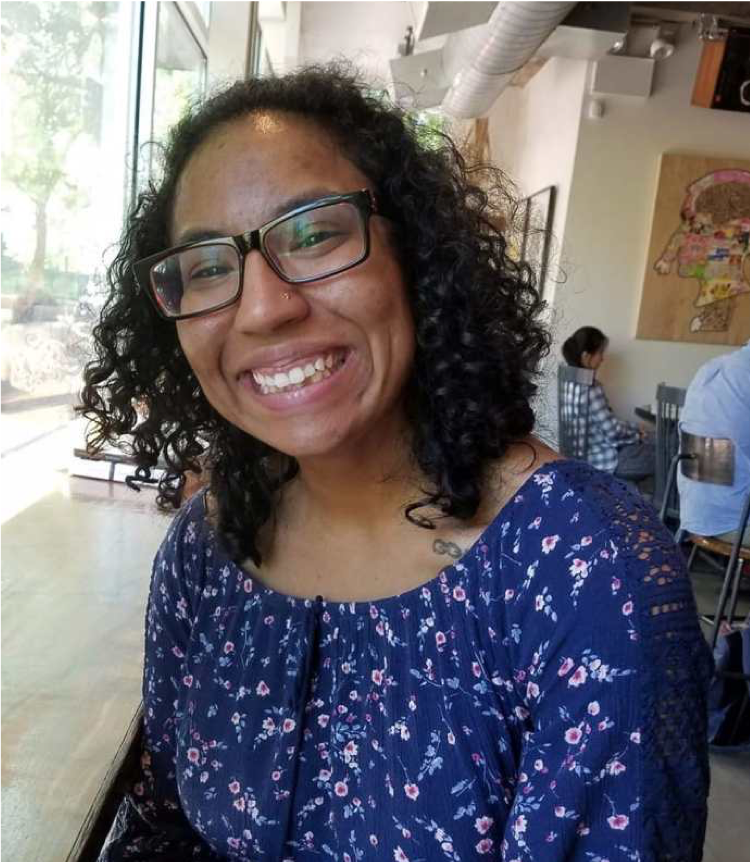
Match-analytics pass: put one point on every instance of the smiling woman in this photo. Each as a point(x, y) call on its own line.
point(327, 303)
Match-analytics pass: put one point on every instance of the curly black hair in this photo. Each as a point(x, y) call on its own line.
point(479, 339)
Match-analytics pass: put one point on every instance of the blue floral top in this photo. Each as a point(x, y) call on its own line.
point(541, 699)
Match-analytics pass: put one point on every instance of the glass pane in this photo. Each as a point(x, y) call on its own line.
point(180, 69)
point(65, 87)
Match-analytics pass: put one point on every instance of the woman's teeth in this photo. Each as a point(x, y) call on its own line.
point(299, 376)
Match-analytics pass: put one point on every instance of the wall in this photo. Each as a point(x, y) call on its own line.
point(609, 221)
point(533, 138)
point(228, 41)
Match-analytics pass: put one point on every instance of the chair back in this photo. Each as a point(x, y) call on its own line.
point(669, 403)
point(711, 459)
point(573, 401)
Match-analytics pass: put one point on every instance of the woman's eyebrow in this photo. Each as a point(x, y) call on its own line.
point(284, 206)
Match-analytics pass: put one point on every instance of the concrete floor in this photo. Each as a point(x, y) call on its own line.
point(76, 567)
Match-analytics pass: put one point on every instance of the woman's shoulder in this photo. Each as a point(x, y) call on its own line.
point(189, 541)
point(580, 533)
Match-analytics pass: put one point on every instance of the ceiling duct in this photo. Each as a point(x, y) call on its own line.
point(481, 61)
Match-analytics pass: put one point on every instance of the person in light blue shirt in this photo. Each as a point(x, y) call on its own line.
point(717, 404)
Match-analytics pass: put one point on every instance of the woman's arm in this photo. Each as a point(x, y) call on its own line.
point(150, 822)
point(615, 430)
point(614, 764)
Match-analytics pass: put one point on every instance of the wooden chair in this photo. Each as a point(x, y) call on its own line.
point(573, 401)
point(669, 403)
point(711, 460)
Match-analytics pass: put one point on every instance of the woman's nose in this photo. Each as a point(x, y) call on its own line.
point(267, 302)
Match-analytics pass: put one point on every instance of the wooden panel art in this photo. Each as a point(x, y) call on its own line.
point(697, 282)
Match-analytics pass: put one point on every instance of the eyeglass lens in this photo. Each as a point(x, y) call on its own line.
point(313, 244)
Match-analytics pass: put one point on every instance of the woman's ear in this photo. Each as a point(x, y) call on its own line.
point(586, 359)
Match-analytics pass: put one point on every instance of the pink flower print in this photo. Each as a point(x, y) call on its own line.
point(586, 540)
point(399, 855)
point(288, 725)
point(579, 677)
point(275, 775)
point(380, 628)
point(618, 821)
point(269, 725)
point(177, 652)
point(235, 719)
point(616, 584)
point(239, 803)
point(323, 720)
point(483, 824)
point(539, 603)
point(228, 647)
point(451, 738)
point(532, 690)
point(579, 568)
point(573, 735)
point(411, 790)
point(616, 767)
point(549, 543)
point(340, 788)
point(459, 594)
point(247, 585)
point(560, 811)
point(188, 680)
point(521, 712)
point(593, 708)
point(484, 846)
point(635, 736)
point(324, 774)
point(373, 612)
point(346, 667)
point(583, 829)
point(193, 755)
point(539, 764)
point(519, 826)
point(374, 840)
point(509, 595)
point(476, 668)
point(234, 843)
point(602, 725)
point(268, 620)
point(262, 689)
point(440, 638)
point(627, 609)
point(565, 667)
point(412, 704)
point(377, 677)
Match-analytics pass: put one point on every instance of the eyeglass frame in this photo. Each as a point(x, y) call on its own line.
point(254, 240)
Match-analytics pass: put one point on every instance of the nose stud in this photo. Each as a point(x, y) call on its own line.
point(287, 294)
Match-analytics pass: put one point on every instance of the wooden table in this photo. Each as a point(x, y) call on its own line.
point(75, 580)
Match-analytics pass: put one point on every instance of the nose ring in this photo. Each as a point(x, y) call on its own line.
point(287, 294)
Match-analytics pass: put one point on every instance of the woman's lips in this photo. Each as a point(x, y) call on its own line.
point(315, 388)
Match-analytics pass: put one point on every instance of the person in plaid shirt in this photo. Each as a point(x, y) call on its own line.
point(615, 446)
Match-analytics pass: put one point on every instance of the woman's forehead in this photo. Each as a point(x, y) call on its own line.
point(246, 167)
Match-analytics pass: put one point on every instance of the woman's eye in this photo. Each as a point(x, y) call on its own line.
point(213, 271)
point(313, 239)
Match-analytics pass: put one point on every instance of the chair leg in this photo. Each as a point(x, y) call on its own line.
point(691, 558)
point(735, 590)
point(721, 605)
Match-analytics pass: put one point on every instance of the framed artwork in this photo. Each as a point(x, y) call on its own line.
point(696, 286)
point(537, 233)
